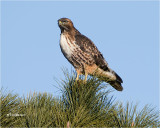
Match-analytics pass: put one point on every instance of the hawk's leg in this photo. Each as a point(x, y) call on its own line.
point(78, 73)
point(77, 78)
point(86, 74)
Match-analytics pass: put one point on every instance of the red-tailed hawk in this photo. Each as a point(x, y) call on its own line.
point(81, 52)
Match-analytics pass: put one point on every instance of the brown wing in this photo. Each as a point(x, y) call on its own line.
point(87, 46)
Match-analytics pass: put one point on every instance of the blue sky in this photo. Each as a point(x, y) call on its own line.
point(127, 34)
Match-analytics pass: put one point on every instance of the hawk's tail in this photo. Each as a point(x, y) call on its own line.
point(110, 77)
point(116, 83)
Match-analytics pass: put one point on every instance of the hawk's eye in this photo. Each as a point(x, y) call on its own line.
point(65, 22)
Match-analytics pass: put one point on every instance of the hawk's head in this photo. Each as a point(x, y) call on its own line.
point(65, 24)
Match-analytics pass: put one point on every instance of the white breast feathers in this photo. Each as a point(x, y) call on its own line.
point(67, 46)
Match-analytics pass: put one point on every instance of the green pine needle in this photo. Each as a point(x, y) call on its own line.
point(82, 104)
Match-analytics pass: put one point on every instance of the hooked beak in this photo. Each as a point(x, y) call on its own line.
point(61, 24)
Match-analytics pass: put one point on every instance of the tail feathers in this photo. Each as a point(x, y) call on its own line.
point(117, 85)
point(111, 77)
point(118, 78)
